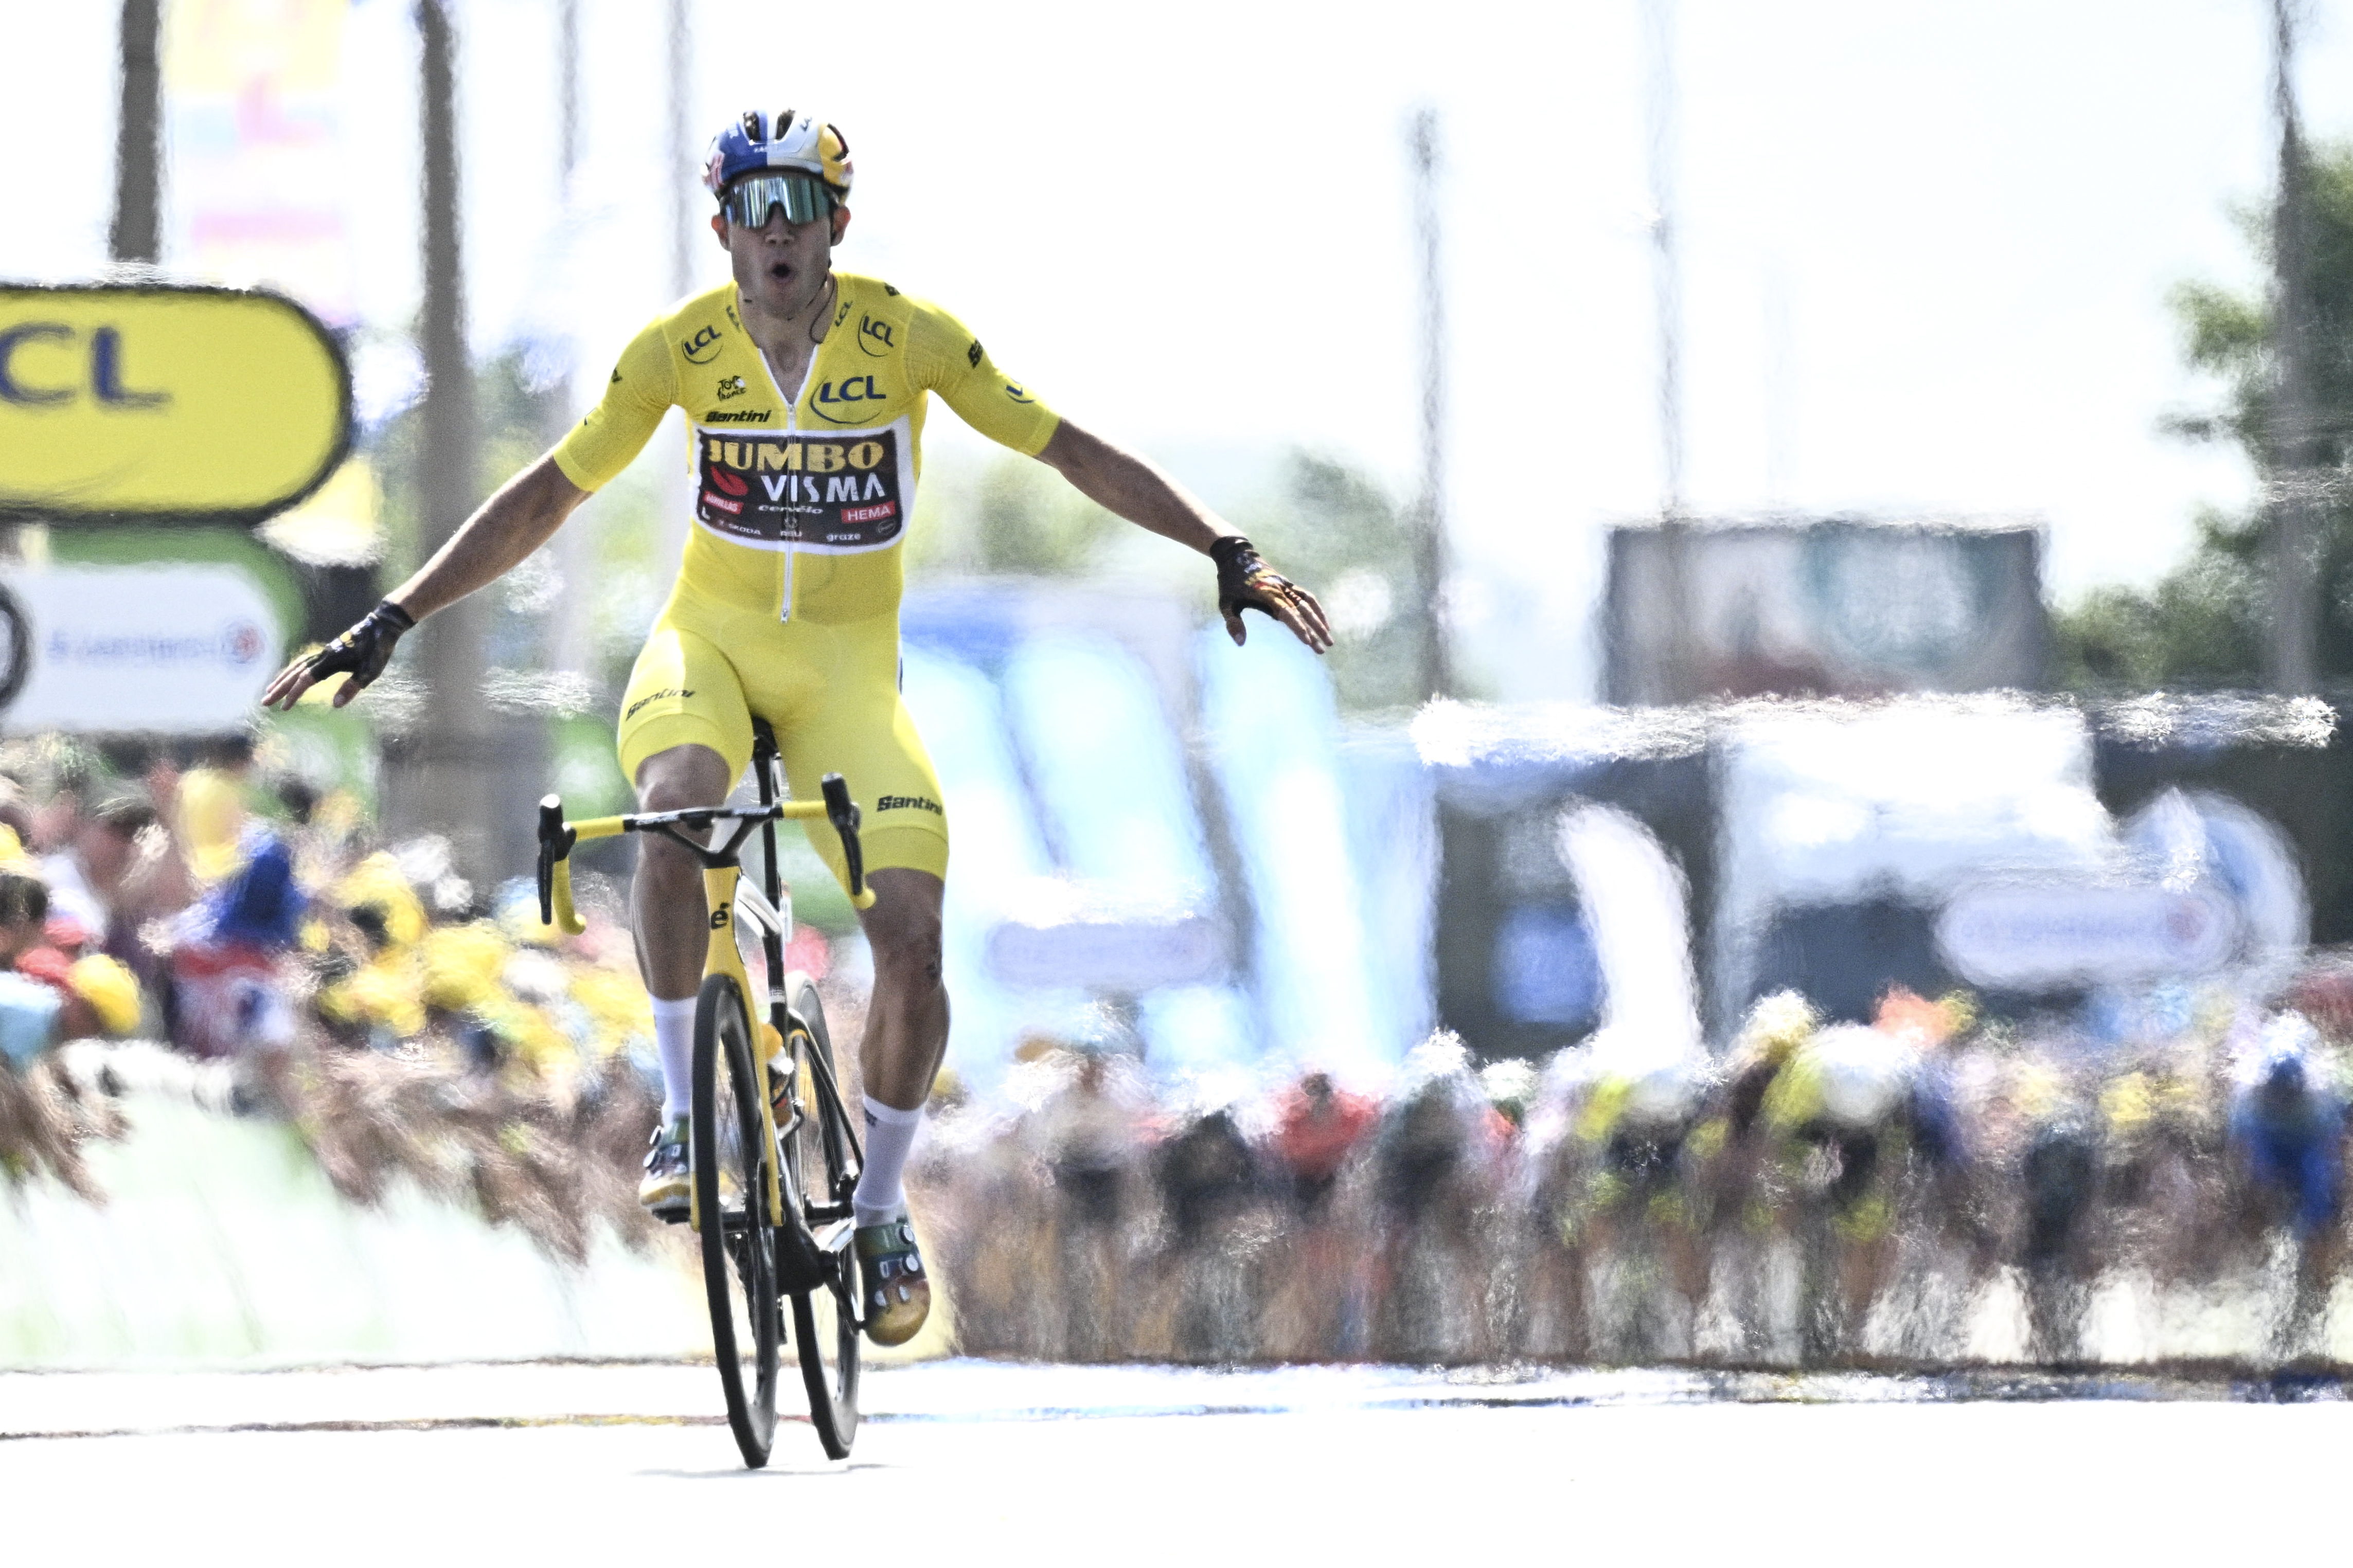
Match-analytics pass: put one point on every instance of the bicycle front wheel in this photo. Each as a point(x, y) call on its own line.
point(821, 1161)
point(732, 1165)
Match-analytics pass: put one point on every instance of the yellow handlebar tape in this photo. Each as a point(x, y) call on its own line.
point(567, 919)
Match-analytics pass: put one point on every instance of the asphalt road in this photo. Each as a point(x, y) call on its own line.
point(969, 1462)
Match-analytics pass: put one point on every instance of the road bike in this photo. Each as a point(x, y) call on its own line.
point(775, 1152)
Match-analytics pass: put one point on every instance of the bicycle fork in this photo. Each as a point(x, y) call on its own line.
point(720, 888)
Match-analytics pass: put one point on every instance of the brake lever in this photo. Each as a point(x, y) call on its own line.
point(842, 812)
point(555, 841)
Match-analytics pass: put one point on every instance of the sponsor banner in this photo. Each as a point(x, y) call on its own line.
point(1125, 956)
point(259, 169)
point(164, 404)
point(1832, 608)
point(837, 491)
point(2054, 937)
point(183, 649)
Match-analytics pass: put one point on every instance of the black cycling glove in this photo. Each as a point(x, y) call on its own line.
point(1245, 581)
point(365, 649)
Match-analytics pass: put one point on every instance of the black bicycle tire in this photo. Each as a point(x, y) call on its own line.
point(751, 1413)
point(832, 1388)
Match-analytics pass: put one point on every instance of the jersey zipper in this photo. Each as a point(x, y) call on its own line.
point(792, 423)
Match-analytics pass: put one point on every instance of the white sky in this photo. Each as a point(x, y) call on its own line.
point(1189, 228)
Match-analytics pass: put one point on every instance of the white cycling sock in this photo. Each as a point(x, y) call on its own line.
point(674, 1043)
point(890, 1134)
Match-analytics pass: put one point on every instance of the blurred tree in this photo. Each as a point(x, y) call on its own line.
point(1333, 528)
point(1014, 517)
point(1356, 548)
point(2207, 622)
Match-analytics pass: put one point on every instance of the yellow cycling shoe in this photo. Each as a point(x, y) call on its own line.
point(897, 1295)
point(667, 1189)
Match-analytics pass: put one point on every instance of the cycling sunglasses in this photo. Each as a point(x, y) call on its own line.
point(751, 199)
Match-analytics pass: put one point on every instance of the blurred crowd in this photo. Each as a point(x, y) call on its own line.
point(248, 940)
point(1820, 1193)
point(1823, 1194)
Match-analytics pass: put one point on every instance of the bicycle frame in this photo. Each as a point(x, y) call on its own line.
point(726, 895)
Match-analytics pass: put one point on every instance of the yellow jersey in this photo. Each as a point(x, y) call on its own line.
point(802, 496)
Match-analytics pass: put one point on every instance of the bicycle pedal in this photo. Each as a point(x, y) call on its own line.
point(834, 1238)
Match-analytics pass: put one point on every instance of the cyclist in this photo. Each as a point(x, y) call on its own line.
point(805, 392)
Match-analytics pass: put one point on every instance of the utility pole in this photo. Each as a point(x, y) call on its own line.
point(571, 646)
point(1666, 275)
point(1667, 299)
point(679, 173)
point(443, 774)
point(681, 149)
point(137, 232)
point(1780, 387)
point(2294, 445)
point(1429, 522)
point(567, 90)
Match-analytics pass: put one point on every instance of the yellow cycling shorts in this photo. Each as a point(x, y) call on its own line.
point(831, 694)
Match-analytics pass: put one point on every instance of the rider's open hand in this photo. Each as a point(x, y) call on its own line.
point(360, 652)
point(1247, 583)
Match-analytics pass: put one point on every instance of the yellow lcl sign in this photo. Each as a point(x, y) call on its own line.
point(153, 402)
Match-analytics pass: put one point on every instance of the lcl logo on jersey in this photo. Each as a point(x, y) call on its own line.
point(847, 394)
point(702, 348)
point(875, 337)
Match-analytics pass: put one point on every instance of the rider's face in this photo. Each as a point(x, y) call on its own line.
point(782, 269)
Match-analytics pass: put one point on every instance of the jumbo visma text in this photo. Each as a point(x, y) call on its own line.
point(810, 457)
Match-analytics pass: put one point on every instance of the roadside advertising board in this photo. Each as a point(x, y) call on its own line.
point(1105, 952)
point(183, 647)
point(1833, 607)
point(161, 404)
point(2041, 938)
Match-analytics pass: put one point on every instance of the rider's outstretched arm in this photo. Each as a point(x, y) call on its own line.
point(518, 519)
point(499, 537)
point(1131, 486)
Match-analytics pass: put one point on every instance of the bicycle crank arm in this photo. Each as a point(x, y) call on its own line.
point(801, 1263)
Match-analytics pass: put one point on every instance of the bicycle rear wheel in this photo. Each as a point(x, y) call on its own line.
point(821, 1164)
point(732, 1162)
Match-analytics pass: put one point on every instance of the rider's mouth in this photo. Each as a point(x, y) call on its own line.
point(782, 271)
